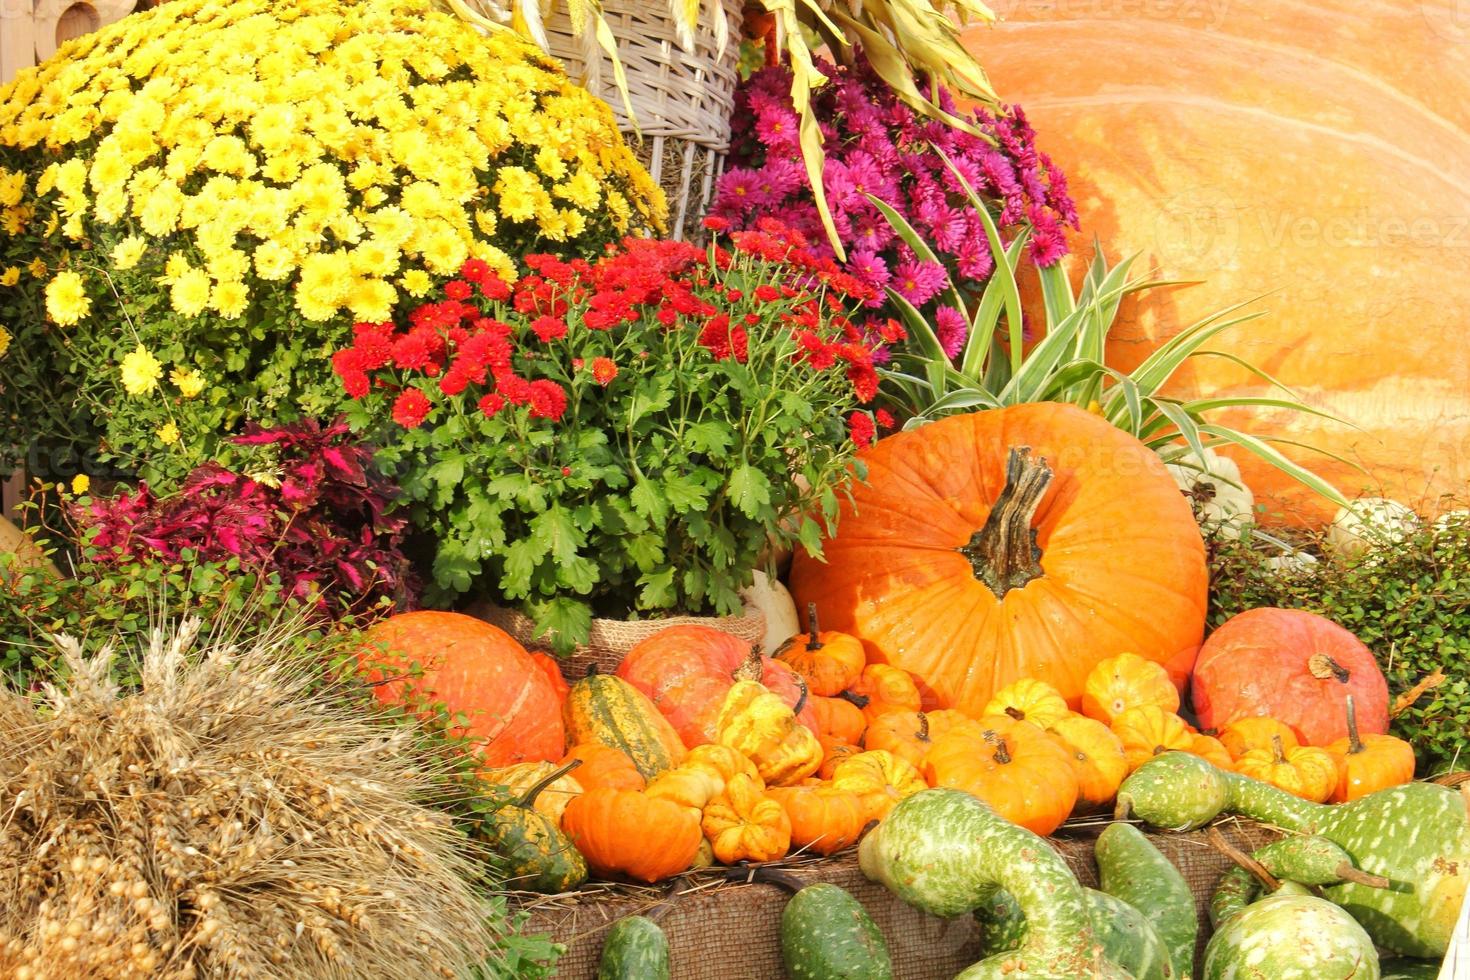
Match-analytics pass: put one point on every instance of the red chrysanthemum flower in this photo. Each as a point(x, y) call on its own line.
point(549, 328)
point(604, 370)
point(861, 427)
point(458, 289)
point(767, 293)
point(548, 400)
point(410, 408)
point(491, 404)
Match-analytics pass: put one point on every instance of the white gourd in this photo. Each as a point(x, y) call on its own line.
point(770, 597)
point(1217, 492)
point(1369, 523)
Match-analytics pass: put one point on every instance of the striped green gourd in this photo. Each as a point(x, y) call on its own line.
point(1127, 937)
point(536, 855)
point(635, 949)
point(1416, 835)
point(944, 852)
point(1132, 869)
point(1291, 937)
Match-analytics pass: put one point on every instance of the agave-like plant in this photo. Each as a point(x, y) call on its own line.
point(902, 39)
point(996, 367)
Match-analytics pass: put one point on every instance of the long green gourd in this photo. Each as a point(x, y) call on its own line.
point(1131, 868)
point(1127, 937)
point(944, 852)
point(1305, 860)
point(1416, 835)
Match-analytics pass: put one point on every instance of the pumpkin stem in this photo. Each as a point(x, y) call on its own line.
point(1256, 868)
point(1002, 754)
point(751, 668)
point(1347, 872)
point(1004, 553)
point(1015, 712)
point(923, 733)
point(812, 643)
point(592, 669)
point(1278, 749)
point(771, 876)
point(861, 700)
point(1355, 741)
point(801, 698)
point(530, 796)
point(1324, 667)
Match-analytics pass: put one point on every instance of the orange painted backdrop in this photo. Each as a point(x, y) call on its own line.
point(1316, 150)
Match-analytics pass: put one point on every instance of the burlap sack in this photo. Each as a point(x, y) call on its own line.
point(611, 639)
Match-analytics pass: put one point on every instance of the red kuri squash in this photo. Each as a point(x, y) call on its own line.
point(687, 670)
point(1291, 665)
point(473, 669)
point(971, 563)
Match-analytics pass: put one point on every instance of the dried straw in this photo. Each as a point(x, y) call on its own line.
point(231, 818)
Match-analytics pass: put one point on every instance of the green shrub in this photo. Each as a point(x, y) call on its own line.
point(1409, 603)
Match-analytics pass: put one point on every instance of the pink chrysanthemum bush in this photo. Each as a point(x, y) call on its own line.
point(877, 145)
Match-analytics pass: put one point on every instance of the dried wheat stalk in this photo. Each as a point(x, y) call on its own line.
point(227, 820)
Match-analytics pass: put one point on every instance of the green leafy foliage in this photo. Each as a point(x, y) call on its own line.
point(1410, 603)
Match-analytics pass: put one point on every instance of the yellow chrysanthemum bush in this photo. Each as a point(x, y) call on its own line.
point(198, 202)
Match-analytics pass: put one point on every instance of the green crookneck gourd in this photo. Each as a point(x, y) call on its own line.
point(826, 934)
point(1416, 835)
point(1290, 935)
point(1127, 937)
point(635, 949)
point(1304, 859)
point(538, 856)
point(1132, 869)
point(944, 852)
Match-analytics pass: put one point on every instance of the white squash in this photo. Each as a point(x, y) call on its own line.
point(1216, 490)
point(1369, 523)
point(1452, 519)
point(770, 597)
point(1291, 562)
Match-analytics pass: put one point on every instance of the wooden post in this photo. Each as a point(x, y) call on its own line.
point(31, 30)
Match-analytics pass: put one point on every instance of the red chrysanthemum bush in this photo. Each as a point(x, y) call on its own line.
point(620, 438)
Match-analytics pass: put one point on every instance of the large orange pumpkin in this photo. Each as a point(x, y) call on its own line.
point(1318, 152)
point(1291, 665)
point(942, 570)
point(473, 669)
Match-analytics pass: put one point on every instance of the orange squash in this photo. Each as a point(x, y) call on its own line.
point(474, 670)
point(1029, 700)
point(604, 767)
point(1127, 681)
point(626, 833)
point(1150, 731)
point(1157, 123)
point(1368, 763)
point(1212, 750)
point(830, 662)
point(1098, 758)
point(909, 734)
point(1303, 770)
point(744, 824)
point(839, 718)
point(824, 819)
point(880, 779)
point(1024, 774)
point(833, 752)
point(972, 566)
point(551, 667)
point(883, 689)
point(1244, 734)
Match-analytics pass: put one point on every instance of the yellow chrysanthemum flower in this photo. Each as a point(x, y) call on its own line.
point(416, 283)
point(140, 371)
point(80, 484)
point(4, 341)
point(229, 298)
point(189, 381)
point(168, 434)
point(10, 276)
point(189, 294)
point(37, 268)
point(127, 253)
point(66, 298)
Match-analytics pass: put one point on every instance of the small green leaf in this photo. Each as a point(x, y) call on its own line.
point(750, 490)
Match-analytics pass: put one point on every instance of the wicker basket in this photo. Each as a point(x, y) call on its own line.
point(682, 99)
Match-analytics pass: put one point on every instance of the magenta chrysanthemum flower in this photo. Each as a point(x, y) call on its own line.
point(919, 282)
point(871, 269)
point(951, 329)
point(776, 127)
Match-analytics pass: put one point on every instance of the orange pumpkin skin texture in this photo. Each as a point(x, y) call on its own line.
point(909, 734)
point(839, 718)
point(1291, 665)
point(1368, 763)
point(1029, 700)
point(624, 833)
point(884, 689)
point(1157, 129)
point(1127, 681)
point(880, 779)
point(830, 662)
point(604, 767)
point(1098, 757)
point(824, 819)
point(687, 670)
point(1111, 580)
point(473, 669)
point(1024, 774)
point(834, 752)
point(1303, 770)
point(1150, 731)
point(1244, 734)
point(551, 667)
point(744, 824)
point(1212, 750)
